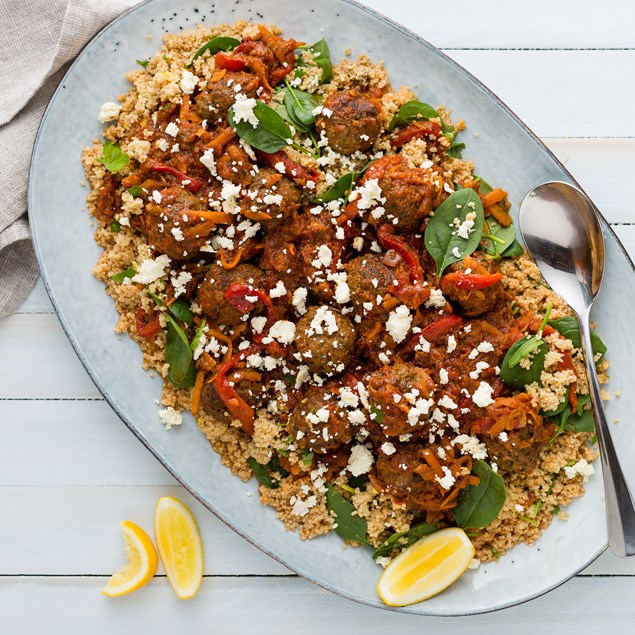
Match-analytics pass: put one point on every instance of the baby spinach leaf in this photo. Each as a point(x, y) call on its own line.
point(342, 187)
point(135, 191)
point(143, 63)
point(181, 310)
point(479, 504)
point(322, 57)
point(515, 375)
point(270, 135)
point(197, 336)
point(378, 412)
point(442, 236)
point(350, 526)
point(456, 149)
point(412, 111)
point(113, 158)
point(580, 421)
point(358, 482)
point(120, 277)
point(514, 250)
point(403, 539)
point(216, 44)
point(307, 457)
point(263, 473)
point(498, 239)
point(568, 327)
point(299, 106)
point(115, 226)
point(178, 355)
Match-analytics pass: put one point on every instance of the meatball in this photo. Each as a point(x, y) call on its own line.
point(234, 165)
point(166, 229)
point(473, 286)
point(409, 193)
point(211, 292)
point(355, 122)
point(251, 392)
point(369, 277)
point(273, 194)
point(214, 102)
point(388, 387)
point(324, 338)
point(317, 423)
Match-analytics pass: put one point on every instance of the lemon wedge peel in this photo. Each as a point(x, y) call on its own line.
point(142, 562)
point(179, 544)
point(426, 568)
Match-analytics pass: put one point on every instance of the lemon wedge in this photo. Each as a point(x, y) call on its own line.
point(426, 568)
point(142, 562)
point(179, 545)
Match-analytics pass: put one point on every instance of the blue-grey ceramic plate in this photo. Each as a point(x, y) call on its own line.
point(67, 253)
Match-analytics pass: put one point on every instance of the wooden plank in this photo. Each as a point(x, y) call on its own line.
point(82, 524)
point(496, 24)
point(75, 530)
point(234, 606)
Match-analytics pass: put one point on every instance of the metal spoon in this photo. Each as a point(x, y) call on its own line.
point(562, 231)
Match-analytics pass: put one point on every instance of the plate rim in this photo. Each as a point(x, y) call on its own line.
point(132, 428)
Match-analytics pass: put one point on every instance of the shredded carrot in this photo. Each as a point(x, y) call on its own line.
point(499, 214)
point(206, 362)
point(248, 375)
point(495, 196)
point(220, 141)
point(218, 75)
point(220, 218)
point(196, 393)
point(230, 264)
point(239, 329)
point(375, 331)
point(257, 216)
point(349, 213)
point(389, 302)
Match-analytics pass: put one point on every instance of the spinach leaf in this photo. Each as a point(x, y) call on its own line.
point(515, 375)
point(181, 310)
point(403, 539)
point(479, 504)
point(135, 191)
point(514, 250)
point(580, 421)
point(498, 239)
point(115, 226)
point(358, 482)
point(456, 149)
point(342, 187)
point(349, 526)
point(299, 106)
point(197, 336)
point(216, 44)
point(178, 355)
point(143, 63)
point(378, 412)
point(263, 473)
point(441, 235)
point(270, 135)
point(322, 57)
point(113, 158)
point(411, 111)
point(128, 273)
point(568, 327)
point(307, 457)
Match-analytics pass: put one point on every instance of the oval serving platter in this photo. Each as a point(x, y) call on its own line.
point(67, 253)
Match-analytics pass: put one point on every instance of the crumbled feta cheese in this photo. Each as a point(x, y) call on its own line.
point(470, 445)
point(467, 226)
point(388, 448)
point(398, 323)
point(209, 161)
point(447, 480)
point(152, 270)
point(172, 129)
point(177, 233)
point(109, 112)
point(170, 417)
point(278, 291)
point(436, 300)
point(324, 319)
point(451, 344)
point(342, 292)
point(443, 376)
point(283, 331)
point(482, 396)
point(360, 461)
point(156, 196)
point(163, 145)
point(180, 282)
point(299, 300)
point(188, 82)
point(244, 110)
point(582, 467)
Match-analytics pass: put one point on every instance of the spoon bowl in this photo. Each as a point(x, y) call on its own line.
point(562, 232)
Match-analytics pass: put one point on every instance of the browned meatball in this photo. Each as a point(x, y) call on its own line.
point(166, 228)
point(211, 292)
point(274, 194)
point(213, 102)
point(388, 387)
point(369, 277)
point(355, 122)
point(409, 193)
point(251, 392)
point(473, 285)
point(317, 423)
point(324, 337)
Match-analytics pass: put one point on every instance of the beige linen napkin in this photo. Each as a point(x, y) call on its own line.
point(38, 38)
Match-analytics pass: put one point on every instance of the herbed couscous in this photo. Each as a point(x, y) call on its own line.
point(302, 254)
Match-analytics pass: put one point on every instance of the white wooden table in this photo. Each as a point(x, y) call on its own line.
point(70, 470)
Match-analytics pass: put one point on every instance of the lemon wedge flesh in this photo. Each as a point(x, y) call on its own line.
point(180, 547)
point(426, 568)
point(142, 562)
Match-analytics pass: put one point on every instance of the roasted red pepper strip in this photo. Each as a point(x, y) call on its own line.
point(292, 169)
point(441, 327)
point(235, 404)
point(566, 363)
point(416, 130)
point(471, 281)
point(390, 241)
point(147, 327)
point(194, 185)
point(229, 62)
point(238, 293)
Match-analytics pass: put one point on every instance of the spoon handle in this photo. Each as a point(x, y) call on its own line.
point(620, 510)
